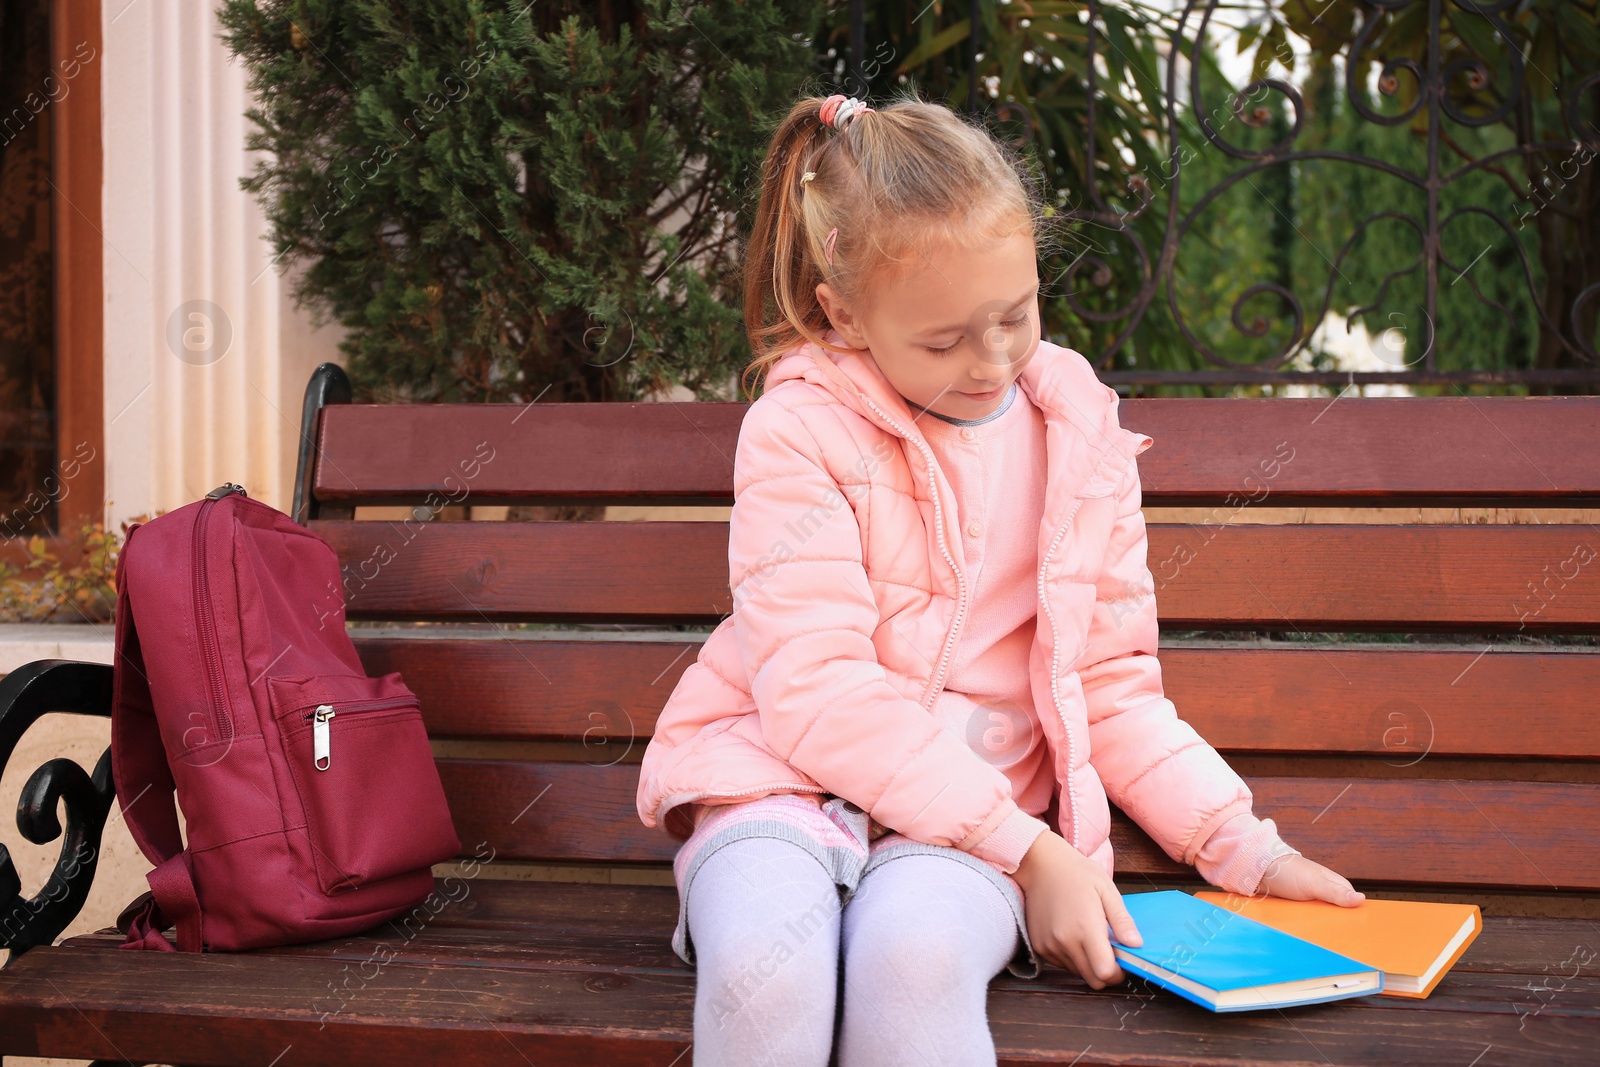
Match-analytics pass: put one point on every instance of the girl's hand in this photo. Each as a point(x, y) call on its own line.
point(1068, 900)
point(1297, 878)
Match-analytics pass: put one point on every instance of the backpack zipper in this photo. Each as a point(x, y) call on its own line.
point(321, 758)
point(210, 652)
point(323, 714)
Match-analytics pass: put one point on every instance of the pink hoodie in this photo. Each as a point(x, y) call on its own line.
point(849, 596)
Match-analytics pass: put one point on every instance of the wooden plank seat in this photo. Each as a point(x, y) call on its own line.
point(1450, 752)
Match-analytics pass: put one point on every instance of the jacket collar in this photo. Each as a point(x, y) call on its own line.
point(854, 379)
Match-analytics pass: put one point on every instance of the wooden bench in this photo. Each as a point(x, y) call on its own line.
point(1455, 769)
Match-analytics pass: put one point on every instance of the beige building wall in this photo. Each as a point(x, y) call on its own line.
point(206, 357)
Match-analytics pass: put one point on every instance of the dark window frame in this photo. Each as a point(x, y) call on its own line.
point(77, 167)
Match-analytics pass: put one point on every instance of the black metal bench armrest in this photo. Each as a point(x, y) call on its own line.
point(26, 694)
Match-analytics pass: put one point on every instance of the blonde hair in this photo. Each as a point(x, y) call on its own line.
point(897, 179)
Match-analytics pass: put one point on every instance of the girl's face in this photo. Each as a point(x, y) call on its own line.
point(954, 329)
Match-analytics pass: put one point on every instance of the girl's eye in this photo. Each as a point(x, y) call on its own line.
point(1009, 324)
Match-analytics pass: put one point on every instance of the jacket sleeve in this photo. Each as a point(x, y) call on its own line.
point(1154, 765)
point(1238, 854)
point(804, 615)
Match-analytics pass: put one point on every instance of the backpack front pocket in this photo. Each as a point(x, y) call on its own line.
point(364, 772)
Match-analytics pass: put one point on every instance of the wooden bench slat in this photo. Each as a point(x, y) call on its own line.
point(1401, 705)
point(536, 690)
point(545, 810)
point(554, 571)
point(1428, 832)
point(1528, 579)
point(1519, 579)
point(241, 1009)
point(1418, 832)
point(1379, 451)
point(1471, 986)
point(1397, 704)
point(515, 923)
point(677, 453)
point(1438, 451)
point(519, 948)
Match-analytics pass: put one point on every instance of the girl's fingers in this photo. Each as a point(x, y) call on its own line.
point(1102, 957)
point(1338, 890)
point(1103, 960)
point(1086, 969)
point(1093, 963)
point(1068, 957)
point(1303, 879)
point(1117, 913)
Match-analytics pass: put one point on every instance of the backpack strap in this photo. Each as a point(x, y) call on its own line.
point(171, 893)
point(145, 790)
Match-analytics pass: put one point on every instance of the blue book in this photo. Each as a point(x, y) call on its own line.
point(1223, 961)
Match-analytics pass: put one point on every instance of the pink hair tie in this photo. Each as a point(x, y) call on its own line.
point(827, 245)
point(838, 109)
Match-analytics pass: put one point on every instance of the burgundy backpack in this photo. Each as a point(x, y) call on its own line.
point(312, 805)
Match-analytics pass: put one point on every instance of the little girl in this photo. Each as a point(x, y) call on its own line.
point(943, 639)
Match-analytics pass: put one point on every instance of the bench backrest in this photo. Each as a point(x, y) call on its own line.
point(1469, 762)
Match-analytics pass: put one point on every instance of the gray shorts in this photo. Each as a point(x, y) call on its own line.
point(847, 844)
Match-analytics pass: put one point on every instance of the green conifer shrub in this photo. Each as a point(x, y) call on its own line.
point(508, 201)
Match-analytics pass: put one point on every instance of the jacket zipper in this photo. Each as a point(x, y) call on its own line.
point(961, 582)
point(1055, 657)
point(961, 607)
point(210, 652)
point(323, 714)
point(1055, 643)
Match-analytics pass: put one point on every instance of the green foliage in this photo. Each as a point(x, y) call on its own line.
point(81, 588)
point(1336, 234)
point(496, 200)
point(1527, 192)
point(1283, 225)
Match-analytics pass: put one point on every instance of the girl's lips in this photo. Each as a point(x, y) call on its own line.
point(990, 395)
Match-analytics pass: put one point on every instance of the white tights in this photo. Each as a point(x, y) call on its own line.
point(919, 942)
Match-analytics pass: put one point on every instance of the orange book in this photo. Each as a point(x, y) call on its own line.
point(1414, 942)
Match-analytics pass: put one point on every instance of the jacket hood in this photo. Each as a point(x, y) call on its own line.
point(1051, 378)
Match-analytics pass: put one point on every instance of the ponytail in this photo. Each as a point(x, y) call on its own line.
point(893, 180)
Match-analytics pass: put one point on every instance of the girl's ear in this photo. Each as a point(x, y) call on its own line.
point(840, 316)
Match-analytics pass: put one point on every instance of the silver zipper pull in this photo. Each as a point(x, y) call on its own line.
point(319, 736)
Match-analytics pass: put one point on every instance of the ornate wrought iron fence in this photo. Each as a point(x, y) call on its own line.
point(1432, 77)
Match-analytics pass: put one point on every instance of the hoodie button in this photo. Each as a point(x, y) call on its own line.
point(975, 529)
point(968, 433)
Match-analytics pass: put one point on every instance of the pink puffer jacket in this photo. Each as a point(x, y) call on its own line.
point(849, 592)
